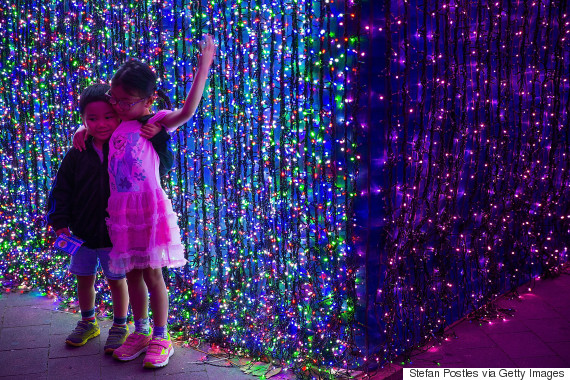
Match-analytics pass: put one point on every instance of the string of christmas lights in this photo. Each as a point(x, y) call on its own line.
point(331, 218)
point(468, 172)
point(264, 176)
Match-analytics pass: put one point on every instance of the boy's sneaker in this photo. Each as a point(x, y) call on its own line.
point(134, 345)
point(117, 336)
point(84, 331)
point(159, 350)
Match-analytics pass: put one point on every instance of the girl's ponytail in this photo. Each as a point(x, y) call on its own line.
point(165, 99)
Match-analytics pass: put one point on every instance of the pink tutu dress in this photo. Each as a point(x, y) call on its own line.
point(142, 224)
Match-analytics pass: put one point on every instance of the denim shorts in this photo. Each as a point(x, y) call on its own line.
point(86, 262)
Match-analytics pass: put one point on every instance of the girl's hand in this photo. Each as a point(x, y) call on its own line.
point(149, 130)
point(79, 138)
point(180, 116)
point(208, 49)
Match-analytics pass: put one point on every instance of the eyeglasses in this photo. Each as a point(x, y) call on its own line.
point(121, 103)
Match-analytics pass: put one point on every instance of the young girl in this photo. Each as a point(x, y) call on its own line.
point(142, 224)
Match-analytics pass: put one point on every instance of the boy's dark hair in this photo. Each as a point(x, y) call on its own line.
point(139, 79)
point(93, 93)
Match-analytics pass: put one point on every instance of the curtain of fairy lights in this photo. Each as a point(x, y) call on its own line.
point(469, 168)
point(264, 176)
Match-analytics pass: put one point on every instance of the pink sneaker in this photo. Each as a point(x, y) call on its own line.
point(159, 350)
point(134, 345)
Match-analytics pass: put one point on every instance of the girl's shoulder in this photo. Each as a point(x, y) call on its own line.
point(127, 126)
point(159, 116)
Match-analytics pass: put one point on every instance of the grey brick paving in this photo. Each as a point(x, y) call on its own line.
point(33, 331)
point(32, 346)
point(536, 336)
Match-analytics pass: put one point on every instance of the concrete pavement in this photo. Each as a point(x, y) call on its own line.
point(32, 346)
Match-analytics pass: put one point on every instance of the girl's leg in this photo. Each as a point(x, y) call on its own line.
point(138, 342)
point(160, 348)
point(138, 294)
point(158, 295)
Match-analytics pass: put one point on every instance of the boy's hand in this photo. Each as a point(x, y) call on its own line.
point(208, 49)
point(149, 130)
point(64, 231)
point(79, 138)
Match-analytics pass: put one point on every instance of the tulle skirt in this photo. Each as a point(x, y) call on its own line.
point(144, 231)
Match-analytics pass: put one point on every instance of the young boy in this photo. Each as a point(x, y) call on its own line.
point(78, 202)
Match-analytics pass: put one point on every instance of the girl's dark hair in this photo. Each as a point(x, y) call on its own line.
point(165, 99)
point(93, 93)
point(139, 79)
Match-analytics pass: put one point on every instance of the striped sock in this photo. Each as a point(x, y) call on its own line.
point(88, 315)
point(142, 326)
point(160, 331)
point(119, 321)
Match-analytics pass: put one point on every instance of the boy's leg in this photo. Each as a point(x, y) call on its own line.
point(160, 347)
point(119, 331)
point(86, 296)
point(120, 297)
point(117, 284)
point(84, 266)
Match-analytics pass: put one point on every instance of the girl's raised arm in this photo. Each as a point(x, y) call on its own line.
point(180, 116)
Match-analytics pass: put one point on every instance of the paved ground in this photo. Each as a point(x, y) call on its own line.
point(32, 346)
point(537, 335)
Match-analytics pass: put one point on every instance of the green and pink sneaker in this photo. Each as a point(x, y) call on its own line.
point(158, 353)
point(134, 345)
